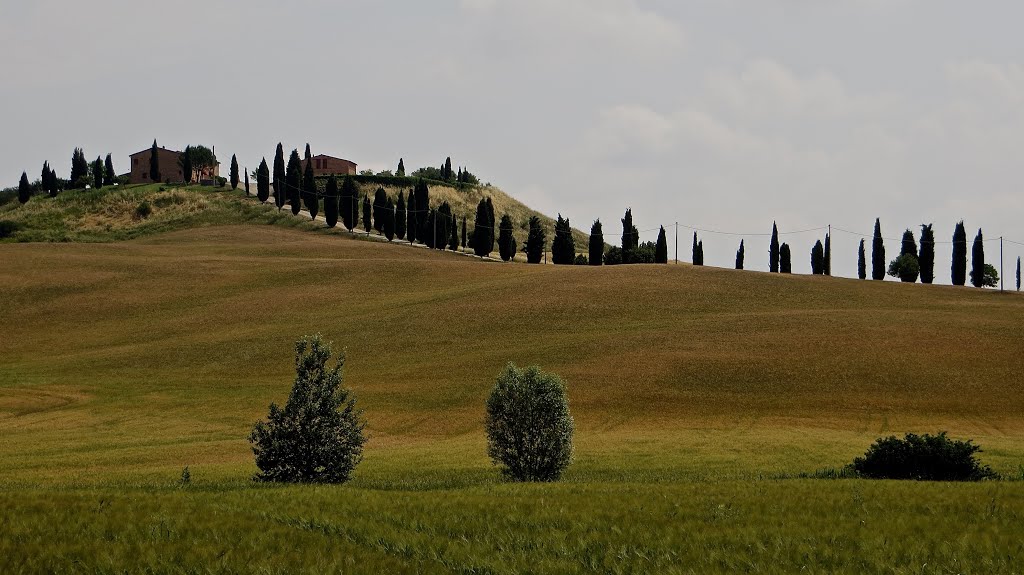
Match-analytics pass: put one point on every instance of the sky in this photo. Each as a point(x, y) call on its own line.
point(717, 114)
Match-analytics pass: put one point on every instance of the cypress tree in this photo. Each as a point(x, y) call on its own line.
point(447, 173)
point(740, 254)
point(279, 177)
point(154, 163)
point(234, 172)
point(506, 241)
point(186, 165)
point(926, 257)
point(263, 182)
point(492, 226)
point(878, 253)
point(380, 202)
point(44, 178)
point(785, 259)
point(400, 216)
point(411, 221)
point(908, 246)
point(400, 172)
point(661, 248)
point(247, 184)
point(959, 269)
point(430, 229)
point(818, 259)
point(629, 240)
point(422, 193)
point(534, 241)
point(563, 247)
point(308, 156)
point(481, 231)
point(331, 202)
point(700, 252)
point(77, 158)
point(389, 220)
point(596, 243)
point(24, 189)
point(978, 261)
point(1018, 273)
point(293, 181)
point(309, 191)
point(463, 232)
point(108, 171)
point(453, 233)
point(827, 269)
point(347, 203)
point(695, 256)
point(774, 252)
point(862, 263)
point(367, 218)
point(97, 173)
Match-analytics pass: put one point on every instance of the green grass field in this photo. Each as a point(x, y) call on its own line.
point(700, 395)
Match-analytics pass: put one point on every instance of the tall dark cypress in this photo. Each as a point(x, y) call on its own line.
point(367, 217)
point(400, 216)
point(246, 184)
point(24, 188)
point(263, 181)
point(463, 244)
point(908, 246)
point(492, 225)
point(279, 178)
point(629, 242)
point(506, 241)
point(97, 173)
point(926, 255)
point(785, 259)
point(695, 257)
point(422, 193)
point(978, 261)
point(862, 262)
point(347, 202)
point(818, 259)
point(878, 253)
point(773, 251)
point(44, 178)
point(661, 248)
point(293, 182)
point(380, 201)
point(447, 173)
point(827, 262)
point(234, 172)
point(700, 251)
point(453, 233)
point(1018, 273)
point(563, 248)
point(389, 220)
point(596, 244)
point(958, 270)
point(400, 172)
point(411, 224)
point(154, 163)
point(186, 165)
point(740, 255)
point(77, 158)
point(309, 192)
point(481, 231)
point(534, 241)
point(108, 171)
point(331, 202)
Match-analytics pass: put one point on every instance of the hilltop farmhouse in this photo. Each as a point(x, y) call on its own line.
point(329, 165)
point(170, 167)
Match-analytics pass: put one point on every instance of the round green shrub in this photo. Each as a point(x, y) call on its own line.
point(922, 457)
point(529, 427)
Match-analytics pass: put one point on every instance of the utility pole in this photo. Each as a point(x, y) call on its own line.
point(1001, 278)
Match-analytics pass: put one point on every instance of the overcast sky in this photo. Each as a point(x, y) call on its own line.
point(720, 114)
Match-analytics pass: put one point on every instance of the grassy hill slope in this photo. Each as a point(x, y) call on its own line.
point(696, 392)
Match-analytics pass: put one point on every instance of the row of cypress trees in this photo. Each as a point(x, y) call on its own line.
point(97, 174)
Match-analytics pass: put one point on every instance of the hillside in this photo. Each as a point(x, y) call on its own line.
point(696, 391)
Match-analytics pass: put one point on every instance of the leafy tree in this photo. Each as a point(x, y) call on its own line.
point(400, 172)
point(740, 254)
point(630, 239)
point(905, 267)
point(97, 173)
point(958, 272)
point(24, 189)
point(506, 241)
point(978, 261)
point(991, 277)
point(400, 216)
point(279, 178)
point(922, 458)
point(380, 200)
point(827, 256)
point(529, 426)
point(862, 264)
point(581, 260)
point(331, 202)
point(347, 204)
point(234, 172)
point(661, 248)
point(818, 258)
point(596, 243)
point(878, 253)
point(563, 248)
point(389, 220)
point(535, 241)
point(411, 226)
point(926, 257)
point(645, 253)
point(154, 163)
point(201, 159)
point(293, 181)
point(613, 256)
point(263, 182)
point(482, 230)
point(309, 191)
point(785, 259)
point(108, 171)
point(773, 251)
point(367, 221)
point(318, 436)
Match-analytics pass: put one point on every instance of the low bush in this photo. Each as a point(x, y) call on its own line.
point(922, 457)
point(143, 211)
point(529, 427)
point(7, 228)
